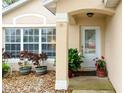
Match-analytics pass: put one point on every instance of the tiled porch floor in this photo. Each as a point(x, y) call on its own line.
point(90, 84)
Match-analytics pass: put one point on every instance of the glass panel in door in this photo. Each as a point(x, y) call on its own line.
point(90, 41)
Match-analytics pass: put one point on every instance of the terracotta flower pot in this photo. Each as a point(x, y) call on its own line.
point(101, 73)
point(70, 74)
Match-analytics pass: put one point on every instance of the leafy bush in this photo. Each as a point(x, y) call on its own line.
point(100, 63)
point(75, 59)
point(5, 67)
point(5, 57)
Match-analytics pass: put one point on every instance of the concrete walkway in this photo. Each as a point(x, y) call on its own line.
point(90, 84)
point(93, 91)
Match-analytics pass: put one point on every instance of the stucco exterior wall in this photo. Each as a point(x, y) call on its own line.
point(32, 7)
point(113, 48)
point(74, 37)
point(30, 14)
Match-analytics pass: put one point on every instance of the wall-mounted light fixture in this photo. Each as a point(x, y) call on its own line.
point(90, 14)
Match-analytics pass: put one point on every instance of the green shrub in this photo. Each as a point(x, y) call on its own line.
point(75, 59)
point(5, 67)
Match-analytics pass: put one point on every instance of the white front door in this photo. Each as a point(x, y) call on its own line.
point(90, 43)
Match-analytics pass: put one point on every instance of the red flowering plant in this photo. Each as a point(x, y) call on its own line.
point(100, 63)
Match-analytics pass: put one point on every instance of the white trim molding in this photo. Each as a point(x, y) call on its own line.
point(14, 6)
point(45, 2)
point(28, 25)
point(111, 3)
point(62, 17)
point(61, 85)
point(27, 15)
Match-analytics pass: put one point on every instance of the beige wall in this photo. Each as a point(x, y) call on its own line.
point(74, 37)
point(32, 14)
point(32, 7)
point(114, 48)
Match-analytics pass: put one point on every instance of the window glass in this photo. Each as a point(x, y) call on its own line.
point(12, 38)
point(7, 47)
point(32, 35)
point(90, 41)
point(25, 39)
point(18, 39)
point(36, 38)
point(48, 42)
point(30, 31)
point(8, 38)
point(31, 48)
point(36, 31)
point(18, 32)
point(30, 38)
point(12, 41)
point(30, 41)
point(13, 31)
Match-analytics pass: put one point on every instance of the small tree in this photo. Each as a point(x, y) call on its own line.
point(5, 56)
point(23, 58)
point(38, 58)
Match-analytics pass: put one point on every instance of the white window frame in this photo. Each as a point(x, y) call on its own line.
point(40, 36)
point(10, 41)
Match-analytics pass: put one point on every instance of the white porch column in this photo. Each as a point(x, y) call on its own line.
point(61, 51)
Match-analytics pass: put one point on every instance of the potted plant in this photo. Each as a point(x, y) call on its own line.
point(75, 59)
point(25, 67)
point(37, 59)
point(5, 65)
point(101, 70)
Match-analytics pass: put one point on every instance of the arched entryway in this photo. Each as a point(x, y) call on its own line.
point(68, 30)
point(87, 30)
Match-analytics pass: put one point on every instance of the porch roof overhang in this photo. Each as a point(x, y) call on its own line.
point(51, 4)
point(14, 6)
point(111, 3)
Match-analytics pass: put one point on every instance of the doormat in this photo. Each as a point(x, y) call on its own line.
point(85, 73)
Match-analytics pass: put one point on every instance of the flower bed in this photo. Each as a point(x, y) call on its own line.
point(31, 83)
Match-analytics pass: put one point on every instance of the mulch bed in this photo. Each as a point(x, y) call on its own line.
point(31, 83)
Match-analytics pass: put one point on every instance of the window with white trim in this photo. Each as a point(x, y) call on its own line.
point(36, 40)
point(12, 41)
point(48, 41)
point(31, 39)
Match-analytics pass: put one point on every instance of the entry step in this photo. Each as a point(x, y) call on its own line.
point(93, 91)
point(88, 69)
point(85, 73)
